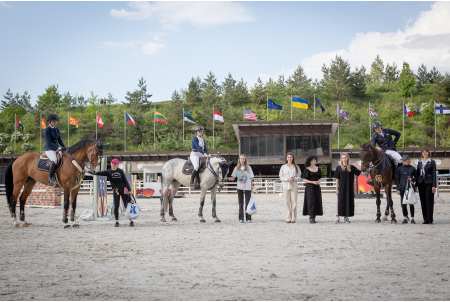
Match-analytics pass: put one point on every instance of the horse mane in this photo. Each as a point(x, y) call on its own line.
point(79, 145)
point(364, 146)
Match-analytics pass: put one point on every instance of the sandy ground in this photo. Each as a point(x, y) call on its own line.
point(188, 260)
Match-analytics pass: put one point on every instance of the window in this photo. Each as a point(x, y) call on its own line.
point(303, 146)
point(265, 146)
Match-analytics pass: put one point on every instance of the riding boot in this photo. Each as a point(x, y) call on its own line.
point(193, 175)
point(51, 172)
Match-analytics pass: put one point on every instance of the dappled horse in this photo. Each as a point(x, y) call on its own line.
point(23, 172)
point(215, 171)
point(382, 171)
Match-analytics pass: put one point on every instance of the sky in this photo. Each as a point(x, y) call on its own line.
point(105, 47)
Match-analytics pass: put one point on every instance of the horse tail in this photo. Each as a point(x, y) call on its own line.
point(9, 182)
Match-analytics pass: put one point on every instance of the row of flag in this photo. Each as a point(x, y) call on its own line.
point(296, 103)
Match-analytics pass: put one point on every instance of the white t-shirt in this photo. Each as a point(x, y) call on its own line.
point(244, 181)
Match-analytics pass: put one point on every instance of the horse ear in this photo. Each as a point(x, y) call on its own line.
point(359, 144)
point(104, 145)
point(230, 163)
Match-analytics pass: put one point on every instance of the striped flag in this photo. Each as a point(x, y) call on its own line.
point(160, 118)
point(372, 112)
point(250, 115)
point(19, 124)
point(218, 116)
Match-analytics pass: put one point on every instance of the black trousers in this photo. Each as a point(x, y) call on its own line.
point(404, 208)
point(117, 193)
point(243, 209)
point(426, 201)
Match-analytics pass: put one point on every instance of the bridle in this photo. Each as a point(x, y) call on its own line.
point(210, 168)
point(81, 164)
point(377, 162)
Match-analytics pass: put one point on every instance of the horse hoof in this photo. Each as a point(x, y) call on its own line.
point(218, 220)
point(174, 219)
point(75, 225)
point(25, 224)
point(16, 226)
point(378, 221)
point(67, 227)
point(393, 221)
point(203, 220)
point(163, 220)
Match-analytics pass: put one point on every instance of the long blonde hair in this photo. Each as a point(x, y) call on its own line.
point(238, 167)
point(348, 162)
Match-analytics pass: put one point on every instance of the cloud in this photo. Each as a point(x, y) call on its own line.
point(200, 14)
point(424, 40)
point(4, 4)
point(138, 47)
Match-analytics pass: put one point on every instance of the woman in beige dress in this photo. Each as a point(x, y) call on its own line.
point(290, 174)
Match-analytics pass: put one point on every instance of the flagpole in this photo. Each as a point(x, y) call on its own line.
point(183, 125)
point(314, 106)
point(435, 123)
point(68, 137)
point(213, 128)
point(403, 113)
point(154, 129)
point(125, 132)
point(291, 107)
point(370, 123)
point(267, 103)
point(96, 122)
point(40, 135)
point(244, 114)
point(337, 107)
point(15, 136)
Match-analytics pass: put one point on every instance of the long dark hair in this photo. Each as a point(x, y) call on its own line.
point(293, 161)
point(427, 150)
point(309, 159)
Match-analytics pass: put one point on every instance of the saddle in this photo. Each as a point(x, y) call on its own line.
point(188, 167)
point(44, 163)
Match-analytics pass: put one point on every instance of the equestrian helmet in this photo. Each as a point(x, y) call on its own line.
point(52, 117)
point(199, 128)
point(376, 124)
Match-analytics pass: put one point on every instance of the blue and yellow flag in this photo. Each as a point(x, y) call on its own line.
point(299, 103)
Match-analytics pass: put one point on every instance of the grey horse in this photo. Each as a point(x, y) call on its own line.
point(213, 177)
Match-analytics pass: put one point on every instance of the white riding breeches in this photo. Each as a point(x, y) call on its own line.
point(195, 159)
point(397, 157)
point(51, 155)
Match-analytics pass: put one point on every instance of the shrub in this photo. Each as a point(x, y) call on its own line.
point(428, 131)
point(27, 138)
point(4, 137)
point(8, 150)
point(16, 137)
point(26, 147)
point(2, 147)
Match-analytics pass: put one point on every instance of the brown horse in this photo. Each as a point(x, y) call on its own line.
point(23, 172)
point(380, 166)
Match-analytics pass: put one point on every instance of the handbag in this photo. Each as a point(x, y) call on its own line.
point(132, 211)
point(251, 208)
point(409, 197)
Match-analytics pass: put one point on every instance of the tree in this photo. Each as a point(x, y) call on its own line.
point(299, 84)
point(93, 100)
point(358, 82)
point(50, 99)
point(25, 101)
point(193, 92)
point(67, 100)
point(406, 80)
point(281, 83)
point(139, 98)
point(12, 101)
point(242, 95)
point(336, 78)
point(391, 73)
point(175, 115)
point(258, 94)
point(211, 81)
point(229, 89)
point(434, 76)
point(110, 100)
point(442, 89)
point(210, 95)
point(9, 100)
point(423, 77)
point(376, 71)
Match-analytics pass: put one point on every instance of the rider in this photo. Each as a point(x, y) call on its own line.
point(198, 150)
point(52, 138)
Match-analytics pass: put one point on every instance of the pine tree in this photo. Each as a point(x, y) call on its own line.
point(336, 79)
point(281, 83)
point(391, 73)
point(376, 71)
point(9, 100)
point(193, 92)
point(139, 98)
point(358, 82)
point(258, 94)
point(434, 76)
point(175, 115)
point(422, 77)
point(242, 95)
point(299, 84)
point(25, 101)
point(50, 100)
point(406, 80)
point(229, 89)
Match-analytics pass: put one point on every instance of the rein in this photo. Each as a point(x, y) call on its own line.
point(81, 165)
point(210, 168)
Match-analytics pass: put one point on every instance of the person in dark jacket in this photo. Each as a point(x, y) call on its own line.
point(383, 137)
point(404, 174)
point(198, 150)
point(119, 183)
point(52, 138)
point(427, 182)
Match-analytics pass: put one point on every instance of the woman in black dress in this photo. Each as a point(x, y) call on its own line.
point(345, 179)
point(312, 205)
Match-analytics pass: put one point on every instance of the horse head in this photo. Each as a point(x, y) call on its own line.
point(224, 166)
point(88, 151)
point(365, 154)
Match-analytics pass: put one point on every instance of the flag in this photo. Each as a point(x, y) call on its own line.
point(43, 125)
point(129, 119)
point(99, 121)
point(342, 113)
point(160, 118)
point(408, 112)
point(299, 103)
point(19, 124)
point(373, 113)
point(441, 109)
point(273, 105)
point(73, 121)
point(249, 115)
point(188, 118)
point(218, 116)
point(319, 105)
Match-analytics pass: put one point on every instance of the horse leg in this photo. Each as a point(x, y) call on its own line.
point(27, 188)
point(74, 195)
point(390, 203)
point(377, 191)
point(173, 193)
point(164, 198)
point(213, 203)
point(202, 203)
point(13, 202)
point(66, 207)
point(386, 211)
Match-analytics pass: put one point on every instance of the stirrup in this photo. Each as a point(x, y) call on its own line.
point(193, 184)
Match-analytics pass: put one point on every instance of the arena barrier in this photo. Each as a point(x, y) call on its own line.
point(442, 180)
point(44, 196)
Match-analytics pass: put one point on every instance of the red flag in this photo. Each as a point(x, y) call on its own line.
point(43, 124)
point(99, 121)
